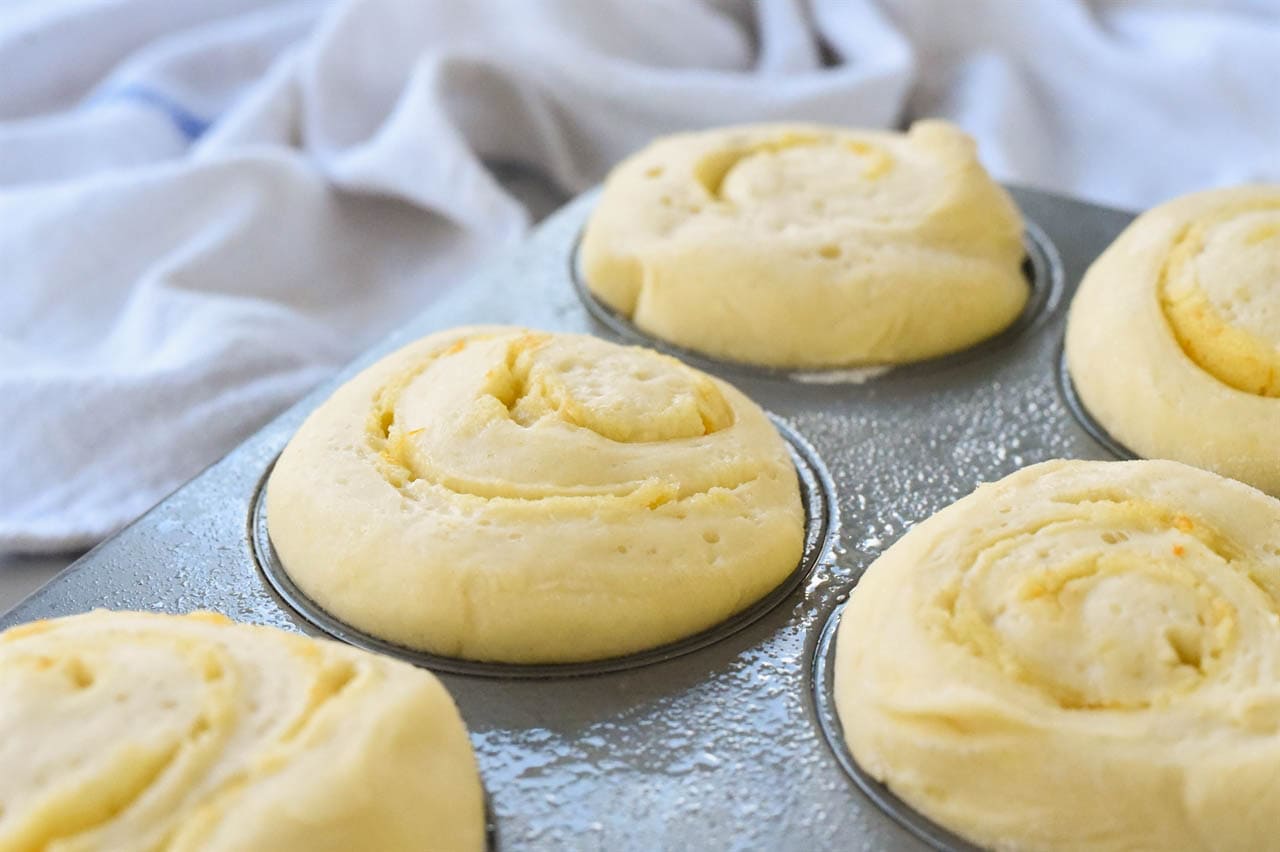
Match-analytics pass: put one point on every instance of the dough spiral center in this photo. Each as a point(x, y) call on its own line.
point(810, 178)
point(1220, 290)
point(1105, 605)
point(625, 395)
point(574, 418)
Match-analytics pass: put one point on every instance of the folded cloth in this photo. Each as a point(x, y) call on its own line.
point(206, 207)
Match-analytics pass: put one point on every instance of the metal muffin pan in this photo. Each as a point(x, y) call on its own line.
point(722, 746)
point(932, 834)
point(1072, 398)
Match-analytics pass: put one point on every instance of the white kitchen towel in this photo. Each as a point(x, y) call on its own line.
point(207, 206)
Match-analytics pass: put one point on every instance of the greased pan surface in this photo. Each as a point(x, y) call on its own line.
point(720, 747)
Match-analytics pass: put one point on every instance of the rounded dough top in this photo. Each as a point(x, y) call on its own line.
point(1173, 340)
point(140, 731)
point(1220, 290)
point(506, 495)
point(1084, 654)
point(809, 246)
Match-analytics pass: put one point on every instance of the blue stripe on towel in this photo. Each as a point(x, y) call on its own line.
point(188, 124)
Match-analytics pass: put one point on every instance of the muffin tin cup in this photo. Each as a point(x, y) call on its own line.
point(823, 684)
point(724, 740)
point(1042, 267)
point(816, 493)
point(1070, 396)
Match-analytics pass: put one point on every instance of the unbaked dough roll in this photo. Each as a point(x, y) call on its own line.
point(143, 732)
point(506, 495)
point(1173, 341)
point(1084, 655)
point(797, 245)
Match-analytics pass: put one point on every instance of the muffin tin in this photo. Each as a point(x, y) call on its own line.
point(728, 740)
point(1076, 405)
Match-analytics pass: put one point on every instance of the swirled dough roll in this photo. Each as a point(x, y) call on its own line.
point(796, 245)
point(142, 732)
point(1084, 655)
point(506, 495)
point(1173, 340)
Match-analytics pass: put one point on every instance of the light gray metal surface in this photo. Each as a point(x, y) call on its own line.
point(721, 747)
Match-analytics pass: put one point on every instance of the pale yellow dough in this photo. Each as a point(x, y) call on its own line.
point(147, 732)
point(1173, 340)
point(506, 495)
point(1084, 655)
point(797, 245)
